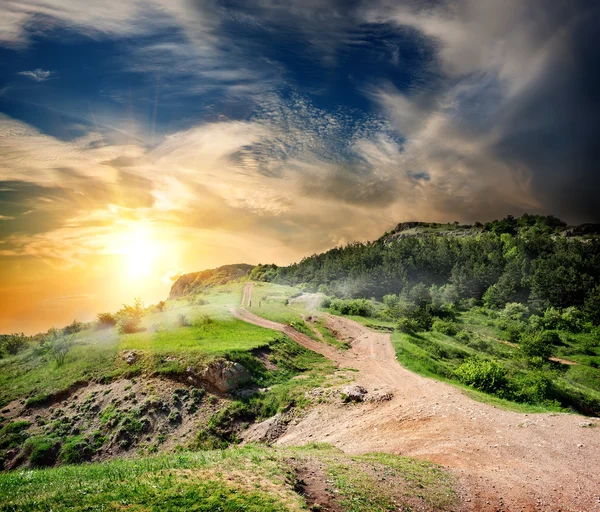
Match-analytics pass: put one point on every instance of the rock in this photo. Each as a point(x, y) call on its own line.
point(380, 396)
point(225, 375)
point(587, 424)
point(267, 431)
point(354, 393)
point(130, 358)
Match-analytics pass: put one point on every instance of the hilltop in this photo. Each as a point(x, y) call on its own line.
point(196, 282)
point(460, 345)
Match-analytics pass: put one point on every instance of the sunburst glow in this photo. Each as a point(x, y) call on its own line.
point(140, 253)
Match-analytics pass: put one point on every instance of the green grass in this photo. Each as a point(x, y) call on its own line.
point(328, 337)
point(374, 488)
point(411, 354)
point(273, 299)
point(95, 356)
point(251, 478)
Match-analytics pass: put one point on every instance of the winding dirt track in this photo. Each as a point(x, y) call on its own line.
point(505, 460)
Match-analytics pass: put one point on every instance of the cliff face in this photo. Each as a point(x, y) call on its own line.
point(197, 281)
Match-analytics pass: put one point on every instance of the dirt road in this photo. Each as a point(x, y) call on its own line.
point(505, 460)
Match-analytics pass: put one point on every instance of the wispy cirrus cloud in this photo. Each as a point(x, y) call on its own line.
point(37, 75)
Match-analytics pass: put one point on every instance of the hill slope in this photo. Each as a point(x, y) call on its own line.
point(196, 282)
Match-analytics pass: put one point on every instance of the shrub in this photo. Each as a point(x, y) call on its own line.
point(445, 327)
point(76, 450)
point(549, 337)
point(13, 343)
point(514, 311)
point(325, 303)
point(407, 325)
point(534, 388)
point(536, 346)
point(204, 320)
point(182, 320)
point(59, 347)
point(354, 307)
point(483, 375)
point(106, 320)
point(73, 328)
point(130, 317)
point(129, 324)
point(14, 434)
point(41, 451)
point(161, 305)
point(588, 345)
point(463, 336)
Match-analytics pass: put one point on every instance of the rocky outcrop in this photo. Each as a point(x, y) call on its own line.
point(196, 282)
point(225, 375)
point(354, 394)
point(267, 431)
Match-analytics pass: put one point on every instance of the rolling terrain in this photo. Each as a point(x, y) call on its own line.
point(441, 367)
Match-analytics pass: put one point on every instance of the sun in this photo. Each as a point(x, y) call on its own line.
point(140, 252)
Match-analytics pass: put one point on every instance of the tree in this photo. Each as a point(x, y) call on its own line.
point(106, 320)
point(130, 317)
point(161, 306)
point(14, 343)
point(591, 306)
point(59, 348)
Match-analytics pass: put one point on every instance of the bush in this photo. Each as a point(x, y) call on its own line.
point(407, 325)
point(354, 307)
point(76, 450)
point(445, 327)
point(161, 305)
point(182, 320)
point(204, 320)
point(14, 434)
point(325, 303)
point(13, 343)
point(536, 346)
point(130, 317)
point(533, 388)
point(41, 451)
point(73, 328)
point(106, 320)
point(483, 375)
point(463, 336)
point(129, 324)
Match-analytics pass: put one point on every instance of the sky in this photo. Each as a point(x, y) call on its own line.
point(143, 139)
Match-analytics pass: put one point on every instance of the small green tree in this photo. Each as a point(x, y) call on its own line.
point(14, 343)
point(591, 305)
point(57, 345)
point(130, 317)
point(106, 320)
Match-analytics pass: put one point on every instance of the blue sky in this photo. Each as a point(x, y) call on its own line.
point(265, 130)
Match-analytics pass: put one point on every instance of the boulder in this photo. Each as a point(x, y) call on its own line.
point(354, 393)
point(225, 375)
point(130, 358)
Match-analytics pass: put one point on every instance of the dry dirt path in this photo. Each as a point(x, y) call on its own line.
point(505, 460)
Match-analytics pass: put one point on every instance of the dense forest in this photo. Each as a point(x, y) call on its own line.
point(534, 260)
point(510, 308)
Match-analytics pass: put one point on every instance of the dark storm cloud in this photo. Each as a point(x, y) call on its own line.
point(552, 127)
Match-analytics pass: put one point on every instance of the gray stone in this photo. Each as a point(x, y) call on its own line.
point(354, 393)
point(225, 375)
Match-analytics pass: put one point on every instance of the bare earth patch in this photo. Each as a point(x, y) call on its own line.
point(505, 460)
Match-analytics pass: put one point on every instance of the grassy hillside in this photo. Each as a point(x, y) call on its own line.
point(197, 282)
point(510, 308)
point(249, 479)
point(117, 393)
